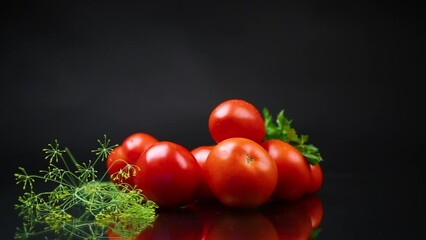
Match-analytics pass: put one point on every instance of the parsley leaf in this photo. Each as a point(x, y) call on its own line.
point(281, 129)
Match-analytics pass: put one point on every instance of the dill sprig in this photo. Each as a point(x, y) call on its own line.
point(81, 205)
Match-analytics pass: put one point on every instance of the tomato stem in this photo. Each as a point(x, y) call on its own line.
point(249, 159)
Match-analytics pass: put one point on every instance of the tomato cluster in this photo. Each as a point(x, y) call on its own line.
point(243, 169)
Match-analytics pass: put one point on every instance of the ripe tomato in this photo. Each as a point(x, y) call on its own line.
point(201, 153)
point(236, 118)
point(240, 173)
point(316, 178)
point(169, 174)
point(242, 225)
point(135, 144)
point(294, 174)
point(119, 168)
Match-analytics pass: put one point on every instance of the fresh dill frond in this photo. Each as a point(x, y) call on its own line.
point(81, 205)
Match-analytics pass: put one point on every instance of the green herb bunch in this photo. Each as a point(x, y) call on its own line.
point(281, 128)
point(81, 205)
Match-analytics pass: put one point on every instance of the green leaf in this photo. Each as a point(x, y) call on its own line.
point(281, 129)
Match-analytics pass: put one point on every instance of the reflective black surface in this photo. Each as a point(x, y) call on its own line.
point(347, 73)
point(345, 208)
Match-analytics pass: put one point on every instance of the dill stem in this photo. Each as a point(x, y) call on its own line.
point(71, 157)
point(104, 176)
point(73, 160)
point(71, 176)
point(97, 159)
point(52, 180)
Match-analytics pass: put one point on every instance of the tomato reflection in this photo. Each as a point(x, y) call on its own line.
point(182, 223)
point(313, 206)
point(213, 221)
point(209, 212)
point(241, 224)
point(295, 220)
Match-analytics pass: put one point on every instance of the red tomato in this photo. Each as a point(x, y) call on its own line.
point(316, 178)
point(290, 219)
point(236, 118)
point(240, 173)
point(294, 174)
point(314, 208)
point(242, 225)
point(201, 153)
point(135, 144)
point(176, 224)
point(169, 174)
point(119, 169)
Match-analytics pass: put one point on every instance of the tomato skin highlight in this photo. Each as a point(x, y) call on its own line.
point(135, 144)
point(316, 178)
point(294, 173)
point(169, 174)
point(236, 118)
point(240, 173)
point(201, 153)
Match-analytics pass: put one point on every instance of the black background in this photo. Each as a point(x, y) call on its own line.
point(347, 73)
